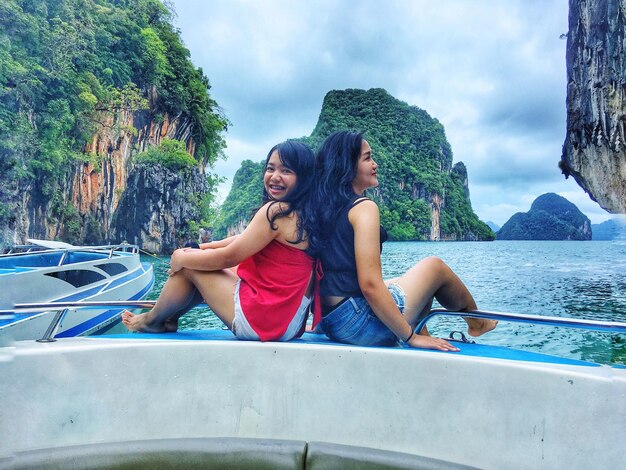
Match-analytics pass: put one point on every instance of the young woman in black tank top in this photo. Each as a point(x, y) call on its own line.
point(359, 307)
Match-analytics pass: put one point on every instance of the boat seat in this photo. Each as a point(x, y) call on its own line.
point(15, 270)
point(42, 260)
point(79, 257)
point(230, 452)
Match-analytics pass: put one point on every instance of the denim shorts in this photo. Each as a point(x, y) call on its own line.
point(354, 322)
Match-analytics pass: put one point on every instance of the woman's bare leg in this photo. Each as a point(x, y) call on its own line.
point(171, 324)
point(175, 296)
point(217, 288)
point(179, 292)
point(430, 278)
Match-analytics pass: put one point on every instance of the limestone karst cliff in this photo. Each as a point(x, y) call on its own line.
point(422, 195)
point(146, 204)
point(244, 196)
point(86, 206)
point(594, 152)
point(612, 229)
point(156, 207)
point(77, 112)
point(94, 188)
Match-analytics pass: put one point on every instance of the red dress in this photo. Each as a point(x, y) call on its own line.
point(273, 282)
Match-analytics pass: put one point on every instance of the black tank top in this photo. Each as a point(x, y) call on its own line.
point(338, 259)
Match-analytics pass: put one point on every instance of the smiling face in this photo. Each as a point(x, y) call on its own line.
point(366, 176)
point(279, 180)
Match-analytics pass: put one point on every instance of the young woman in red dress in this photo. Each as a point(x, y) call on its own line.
point(267, 296)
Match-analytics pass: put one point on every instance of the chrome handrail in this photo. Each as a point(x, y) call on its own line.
point(594, 325)
point(51, 331)
point(38, 306)
point(61, 309)
point(106, 248)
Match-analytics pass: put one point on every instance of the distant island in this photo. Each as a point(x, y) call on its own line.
point(612, 229)
point(551, 217)
point(493, 226)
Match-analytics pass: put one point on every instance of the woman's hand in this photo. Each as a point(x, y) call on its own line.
point(176, 261)
point(429, 342)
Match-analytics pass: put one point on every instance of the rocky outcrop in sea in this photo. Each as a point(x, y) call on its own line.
point(551, 217)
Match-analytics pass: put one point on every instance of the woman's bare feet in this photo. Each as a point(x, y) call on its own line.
point(140, 323)
point(479, 326)
point(171, 325)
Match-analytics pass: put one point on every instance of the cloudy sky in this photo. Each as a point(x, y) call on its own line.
point(491, 71)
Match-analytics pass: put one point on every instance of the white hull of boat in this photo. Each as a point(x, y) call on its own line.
point(486, 412)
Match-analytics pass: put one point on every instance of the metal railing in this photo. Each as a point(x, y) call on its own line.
point(593, 325)
point(61, 309)
point(36, 249)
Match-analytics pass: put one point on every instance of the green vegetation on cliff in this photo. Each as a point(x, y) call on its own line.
point(170, 153)
point(245, 195)
point(551, 217)
point(65, 62)
point(415, 166)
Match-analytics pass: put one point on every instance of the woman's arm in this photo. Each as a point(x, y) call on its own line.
point(218, 243)
point(365, 220)
point(254, 238)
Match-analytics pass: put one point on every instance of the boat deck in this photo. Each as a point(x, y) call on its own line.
point(466, 349)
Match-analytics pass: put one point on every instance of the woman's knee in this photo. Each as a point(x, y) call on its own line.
point(435, 264)
point(188, 274)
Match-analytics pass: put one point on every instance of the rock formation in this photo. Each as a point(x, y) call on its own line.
point(492, 225)
point(245, 195)
point(594, 152)
point(156, 207)
point(551, 217)
point(93, 190)
point(422, 195)
point(87, 90)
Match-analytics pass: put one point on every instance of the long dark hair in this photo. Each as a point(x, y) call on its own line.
point(336, 168)
point(300, 159)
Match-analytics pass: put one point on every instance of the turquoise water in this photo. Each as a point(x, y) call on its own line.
point(568, 279)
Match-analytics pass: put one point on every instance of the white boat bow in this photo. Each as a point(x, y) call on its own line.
point(486, 407)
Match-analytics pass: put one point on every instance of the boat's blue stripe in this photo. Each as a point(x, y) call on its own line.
point(15, 318)
point(101, 288)
point(82, 295)
point(82, 327)
point(497, 352)
point(471, 350)
point(128, 277)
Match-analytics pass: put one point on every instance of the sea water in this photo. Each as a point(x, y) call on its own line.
point(555, 278)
